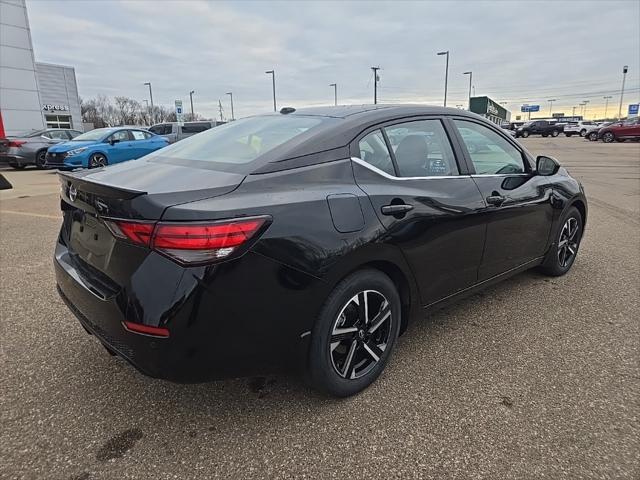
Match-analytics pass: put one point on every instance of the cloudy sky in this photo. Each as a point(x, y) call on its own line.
point(519, 52)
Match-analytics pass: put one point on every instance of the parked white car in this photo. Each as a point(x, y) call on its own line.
point(580, 128)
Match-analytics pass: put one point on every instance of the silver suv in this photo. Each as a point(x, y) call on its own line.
point(174, 132)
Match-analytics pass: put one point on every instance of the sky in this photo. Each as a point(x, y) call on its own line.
point(519, 52)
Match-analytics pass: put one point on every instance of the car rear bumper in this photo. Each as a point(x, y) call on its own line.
point(12, 158)
point(223, 322)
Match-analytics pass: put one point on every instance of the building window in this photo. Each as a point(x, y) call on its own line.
point(58, 121)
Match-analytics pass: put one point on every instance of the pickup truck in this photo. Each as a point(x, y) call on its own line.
point(539, 127)
point(174, 132)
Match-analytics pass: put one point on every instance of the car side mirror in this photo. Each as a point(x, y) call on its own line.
point(547, 166)
point(113, 141)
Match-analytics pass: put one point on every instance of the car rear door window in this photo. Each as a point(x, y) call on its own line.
point(490, 153)
point(121, 136)
point(374, 151)
point(422, 149)
point(58, 135)
point(139, 135)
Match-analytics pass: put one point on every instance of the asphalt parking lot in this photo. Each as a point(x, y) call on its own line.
point(535, 378)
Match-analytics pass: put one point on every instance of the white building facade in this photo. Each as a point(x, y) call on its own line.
point(32, 95)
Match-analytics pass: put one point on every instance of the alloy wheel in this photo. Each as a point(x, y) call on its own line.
point(608, 137)
point(97, 161)
point(360, 334)
point(568, 242)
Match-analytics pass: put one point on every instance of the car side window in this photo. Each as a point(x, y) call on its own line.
point(58, 134)
point(121, 135)
point(139, 135)
point(157, 129)
point(490, 153)
point(373, 150)
point(422, 149)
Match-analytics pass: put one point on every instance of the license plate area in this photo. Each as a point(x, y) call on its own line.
point(90, 239)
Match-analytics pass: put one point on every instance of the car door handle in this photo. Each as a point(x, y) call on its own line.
point(396, 209)
point(495, 200)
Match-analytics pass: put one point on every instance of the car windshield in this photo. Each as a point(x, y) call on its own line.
point(237, 143)
point(93, 135)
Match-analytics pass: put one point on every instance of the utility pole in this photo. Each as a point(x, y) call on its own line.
point(231, 96)
point(220, 109)
point(573, 114)
point(606, 104)
point(625, 69)
point(191, 98)
point(273, 80)
point(375, 84)
point(150, 96)
point(470, 79)
point(335, 93)
point(446, 75)
point(551, 100)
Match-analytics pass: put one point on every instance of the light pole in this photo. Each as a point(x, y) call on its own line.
point(273, 80)
point(375, 84)
point(573, 114)
point(231, 96)
point(625, 69)
point(606, 104)
point(446, 75)
point(191, 98)
point(551, 100)
point(150, 96)
point(585, 108)
point(470, 79)
point(335, 93)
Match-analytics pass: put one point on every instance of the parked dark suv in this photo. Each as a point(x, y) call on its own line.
point(539, 127)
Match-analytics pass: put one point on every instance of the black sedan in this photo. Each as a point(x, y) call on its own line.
point(305, 240)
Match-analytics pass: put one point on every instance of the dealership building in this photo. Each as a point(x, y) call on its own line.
point(33, 95)
point(489, 109)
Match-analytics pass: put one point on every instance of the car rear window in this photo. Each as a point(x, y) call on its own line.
point(235, 145)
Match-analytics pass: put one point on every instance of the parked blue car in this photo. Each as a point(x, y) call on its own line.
point(104, 146)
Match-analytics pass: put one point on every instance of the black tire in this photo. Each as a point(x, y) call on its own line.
point(98, 160)
point(333, 366)
point(583, 132)
point(554, 133)
point(568, 134)
point(593, 136)
point(608, 137)
point(545, 135)
point(525, 134)
point(41, 159)
point(561, 256)
point(17, 166)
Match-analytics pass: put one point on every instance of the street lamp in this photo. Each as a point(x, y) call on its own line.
point(446, 75)
point(273, 80)
point(551, 100)
point(585, 108)
point(150, 96)
point(191, 98)
point(335, 93)
point(606, 104)
point(375, 84)
point(625, 69)
point(470, 78)
point(573, 114)
point(231, 96)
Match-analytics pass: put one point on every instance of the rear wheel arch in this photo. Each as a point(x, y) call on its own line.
point(582, 208)
point(401, 278)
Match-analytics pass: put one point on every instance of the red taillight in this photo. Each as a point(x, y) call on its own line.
point(146, 329)
point(137, 232)
point(15, 143)
point(191, 243)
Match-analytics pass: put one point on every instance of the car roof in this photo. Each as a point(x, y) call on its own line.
point(344, 123)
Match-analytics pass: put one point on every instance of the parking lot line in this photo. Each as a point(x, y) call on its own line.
point(29, 214)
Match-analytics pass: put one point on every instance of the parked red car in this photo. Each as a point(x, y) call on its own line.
point(628, 130)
